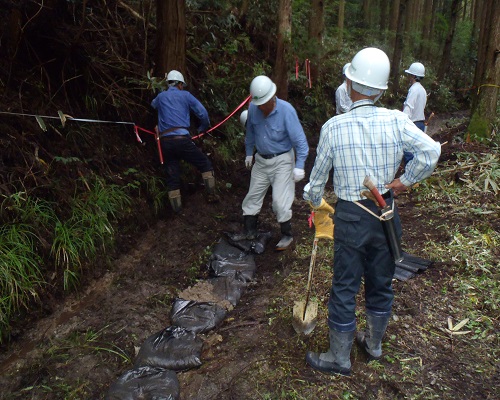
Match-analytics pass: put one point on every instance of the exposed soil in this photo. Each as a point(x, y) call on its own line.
point(73, 353)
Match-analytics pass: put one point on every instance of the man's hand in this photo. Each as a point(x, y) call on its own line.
point(323, 224)
point(396, 186)
point(248, 162)
point(298, 174)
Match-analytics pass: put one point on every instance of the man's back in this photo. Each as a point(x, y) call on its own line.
point(174, 107)
point(415, 102)
point(370, 141)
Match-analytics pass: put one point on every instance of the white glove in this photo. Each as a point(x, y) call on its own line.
point(248, 162)
point(298, 174)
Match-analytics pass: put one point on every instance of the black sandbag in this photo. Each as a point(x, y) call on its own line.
point(173, 348)
point(225, 251)
point(145, 383)
point(257, 246)
point(228, 288)
point(243, 270)
point(196, 317)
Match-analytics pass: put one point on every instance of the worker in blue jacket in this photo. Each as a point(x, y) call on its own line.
point(174, 107)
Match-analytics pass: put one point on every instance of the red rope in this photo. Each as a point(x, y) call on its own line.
point(225, 119)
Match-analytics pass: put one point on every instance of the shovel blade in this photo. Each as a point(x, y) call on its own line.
point(305, 323)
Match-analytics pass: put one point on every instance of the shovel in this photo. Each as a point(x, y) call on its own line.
point(305, 313)
point(402, 260)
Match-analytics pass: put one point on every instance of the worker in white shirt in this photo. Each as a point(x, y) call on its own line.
point(342, 100)
point(416, 100)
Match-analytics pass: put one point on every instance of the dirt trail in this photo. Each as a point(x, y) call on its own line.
point(92, 337)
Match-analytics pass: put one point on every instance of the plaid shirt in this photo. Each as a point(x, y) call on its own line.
point(369, 140)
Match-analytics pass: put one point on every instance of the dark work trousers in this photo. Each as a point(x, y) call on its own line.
point(361, 250)
point(177, 149)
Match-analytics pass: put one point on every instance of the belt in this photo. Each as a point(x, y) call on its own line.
point(175, 137)
point(386, 195)
point(269, 156)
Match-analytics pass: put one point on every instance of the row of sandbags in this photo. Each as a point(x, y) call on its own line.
point(197, 310)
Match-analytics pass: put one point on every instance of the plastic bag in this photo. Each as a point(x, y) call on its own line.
point(228, 287)
point(173, 348)
point(196, 317)
point(257, 246)
point(145, 383)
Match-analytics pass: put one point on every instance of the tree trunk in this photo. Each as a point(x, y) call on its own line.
point(408, 16)
point(340, 22)
point(398, 47)
point(393, 25)
point(242, 13)
point(384, 17)
point(171, 36)
point(426, 29)
point(446, 54)
point(367, 13)
point(487, 77)
point(316, 30)
point(283, 48)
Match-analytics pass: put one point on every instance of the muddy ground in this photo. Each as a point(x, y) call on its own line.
point(89, 339)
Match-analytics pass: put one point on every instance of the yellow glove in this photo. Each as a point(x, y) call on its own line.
point(324, 206)
point(322, 220)
point(323, 224)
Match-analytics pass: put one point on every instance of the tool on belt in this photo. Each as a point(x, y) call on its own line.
point(403, 260)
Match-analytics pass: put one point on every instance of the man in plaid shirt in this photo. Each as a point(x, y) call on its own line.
point(365, 141)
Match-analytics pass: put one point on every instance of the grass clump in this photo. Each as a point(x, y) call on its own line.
point(88, 230)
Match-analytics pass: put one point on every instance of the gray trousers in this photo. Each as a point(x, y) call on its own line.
point(276, 172)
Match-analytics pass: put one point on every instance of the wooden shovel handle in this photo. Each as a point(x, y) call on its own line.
point(311, 273)
point(368, 182)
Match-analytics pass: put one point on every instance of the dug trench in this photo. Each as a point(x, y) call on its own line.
point(92, 337)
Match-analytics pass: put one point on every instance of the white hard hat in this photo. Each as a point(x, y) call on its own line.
point(416, 69)
point(370, 67)
point(175, 76)
point(243, 117)
point(344, 68)
point(262, 90)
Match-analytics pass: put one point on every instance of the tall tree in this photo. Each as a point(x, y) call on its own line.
point(445, 59)
point(283, 47)
point(367, 13)
point(426, 29)
point(316, 30)
point(393, 24)
point(340, 22)
point(487, 76)
point(384, 17)
point(171, 39)
point(398, 47)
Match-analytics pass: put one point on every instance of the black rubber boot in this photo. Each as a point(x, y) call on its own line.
point(250, 231)
point(286, 236)
point(337, 360)
point(371, 339)
point(250, 224)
